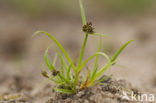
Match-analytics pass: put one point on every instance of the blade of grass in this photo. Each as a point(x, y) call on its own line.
point(58, 79)
point(82, 81)
point(47, 60)
point(62, 69)
point(55, 59)
point(112, 60)
point(52, 79)
point(82, 50)
point(64, 79)
point(62, 84)
point(86, 35)
point(59, 45)
point(86, 81)
point(99, 49)
point(84, 22)
point(80, 60)
point(120, 50)
point(82, 12)
point(62, 60)
point(90, 58)
point(63, 64)
point(68, 72)
point(102, 70)
point(97, 58)
point(94, 72)
point(65, 91)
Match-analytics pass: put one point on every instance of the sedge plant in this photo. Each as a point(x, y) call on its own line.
point(67, 78)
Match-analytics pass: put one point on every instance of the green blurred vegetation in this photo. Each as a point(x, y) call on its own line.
point(41, 7)
point(126, 6)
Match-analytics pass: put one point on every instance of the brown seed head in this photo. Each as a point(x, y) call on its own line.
point(55, 72)
point(45, 74)
point(88, 28)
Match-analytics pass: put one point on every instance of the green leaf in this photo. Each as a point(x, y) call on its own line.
point(112, 61)
point(52, 79)
point(94, 72)
point(68, 72)
point(99, 49)
point(47, 60)
point(64, 79)
point(62, 60)
point(84, 22)
point(59, 79)
point(65, 91)
point(62, 69)
point(59, 45)
point(63, 64)
point(100, 72)
point(120, 50)
point(82, 50)
point(82, 81)
point(55, 59)
point(91, 57)
point(97, 58)
point(82, 13)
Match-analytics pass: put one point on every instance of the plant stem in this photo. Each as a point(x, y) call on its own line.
point(82, 50)
point(80, 59)
point(82, 13)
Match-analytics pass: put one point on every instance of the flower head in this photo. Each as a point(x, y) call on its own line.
point(88, 28)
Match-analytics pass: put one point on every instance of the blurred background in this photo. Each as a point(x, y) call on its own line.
point(21, 55)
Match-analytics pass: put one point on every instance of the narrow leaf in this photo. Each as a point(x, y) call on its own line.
point(52, 79)
point(91, 57)
point(86, 82)
point(62, 60)
point(68, 72)
point(47, 60)
point(94, 72)
point(64, 79)
point(55, 59)
point(59, 45)
point(82, 50)
point(66, 91)
point(100, 72)
point(82, 12)
point(120, 50)
point(97, 58)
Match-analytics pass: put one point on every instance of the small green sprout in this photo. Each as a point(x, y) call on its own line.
point(68, 81)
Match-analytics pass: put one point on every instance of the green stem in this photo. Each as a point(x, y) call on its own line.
point(82, 13)
point(80, 59)
point(82, 50)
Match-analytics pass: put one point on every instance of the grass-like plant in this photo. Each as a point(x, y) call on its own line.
point(69, 82)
